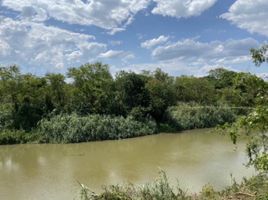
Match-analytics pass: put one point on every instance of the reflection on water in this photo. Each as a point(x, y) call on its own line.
point(52, 171)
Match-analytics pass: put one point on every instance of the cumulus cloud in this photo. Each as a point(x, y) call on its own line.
point(34, 44)
point(148, 44)
point(182, 8)
point(112, 15)
point(26, 40)
point(250, 15)
point(215, 52)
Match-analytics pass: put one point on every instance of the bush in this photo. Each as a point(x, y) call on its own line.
point(73, 128)
point(140, 114)
point(5, 116)
point(190, 116)
point(254, 188)
point(17, 137)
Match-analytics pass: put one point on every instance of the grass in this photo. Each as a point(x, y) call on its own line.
point(74, 129)
point(255, 188)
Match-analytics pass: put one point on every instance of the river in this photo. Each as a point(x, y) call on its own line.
point(47, 171)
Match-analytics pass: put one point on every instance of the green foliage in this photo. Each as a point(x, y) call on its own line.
point(190, 116)
point(236, 89)
point(248, 87)
point(131, 91)
point(208, 192)
point(17, 137)
point(259, 55)
point(221, 78)
point(73, 128)
point(159, 190)
point(92, 88)
point(57, 92)
point(27, 115)
point(254, 188)
point(255, 125)
point(25, 99)
point(140, 114)
point(192, 89)
point(5, 116)
point(162, 93)
point(168, 127)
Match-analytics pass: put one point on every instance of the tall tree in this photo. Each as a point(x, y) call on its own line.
point(131, 91)
point(92, 84)
point(256, 124)
point(192, 89)
point(57, 91)
point(162, 93)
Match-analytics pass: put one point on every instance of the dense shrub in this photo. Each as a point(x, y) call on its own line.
point(17, 137)
point(74, 128)
point(190, 116)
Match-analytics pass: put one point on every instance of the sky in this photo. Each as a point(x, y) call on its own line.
point(182, 37)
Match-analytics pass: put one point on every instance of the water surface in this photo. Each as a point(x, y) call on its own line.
point(195, 158)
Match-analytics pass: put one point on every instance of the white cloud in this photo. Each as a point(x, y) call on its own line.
point(148, 44)
point(27, 41)
point(198, 53)
point(182, 8)
point(36, 45)
point(4, 47)
point(263, 76)
point(112, 15)
point(192, 57)
point(173, 67)
point(111, 54)
point(250, 15)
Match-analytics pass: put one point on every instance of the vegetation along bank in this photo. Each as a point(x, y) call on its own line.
point(94, 105)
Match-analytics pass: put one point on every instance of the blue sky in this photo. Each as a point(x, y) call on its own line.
point(180, 36)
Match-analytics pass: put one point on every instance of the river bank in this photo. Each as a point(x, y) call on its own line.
point(72, 128)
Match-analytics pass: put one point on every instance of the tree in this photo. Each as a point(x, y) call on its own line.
point(192, 89)
point(131, 91)
point(31, 103)
point(236, 89)
point(221, 77)
point(259, 55)
point(249, 87)
point(162, 93)
point(57, 91)
point(9, 84)
point(256, 124)
point(92, 88)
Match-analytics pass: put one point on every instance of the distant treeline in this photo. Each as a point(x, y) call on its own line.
point(32, 105)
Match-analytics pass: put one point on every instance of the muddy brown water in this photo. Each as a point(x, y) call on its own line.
point(192, 158)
